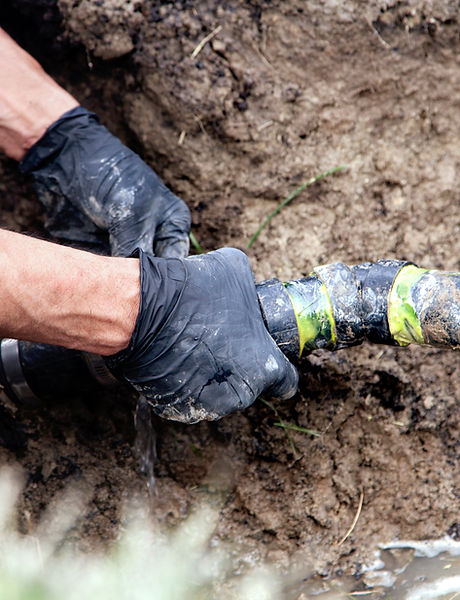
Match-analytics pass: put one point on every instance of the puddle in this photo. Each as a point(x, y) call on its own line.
point(402, 570)
point(413, 570)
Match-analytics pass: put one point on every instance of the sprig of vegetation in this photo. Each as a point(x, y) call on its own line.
point(147, 561)
point(291, 196)
point(297, 428)
point(273, 408)
point(278, 209)
point(195, 243)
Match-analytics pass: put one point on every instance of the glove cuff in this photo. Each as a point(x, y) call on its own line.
point(55, 138)
point(114, 360)
point(161, 283)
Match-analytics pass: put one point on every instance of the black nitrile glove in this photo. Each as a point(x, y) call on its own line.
point(91, 184)
point(200, 349)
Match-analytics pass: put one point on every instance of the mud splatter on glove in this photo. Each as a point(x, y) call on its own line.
point(200, 349)
point(92, 185)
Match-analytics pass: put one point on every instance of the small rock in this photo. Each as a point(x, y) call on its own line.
point(428, 402)
point(218, 46)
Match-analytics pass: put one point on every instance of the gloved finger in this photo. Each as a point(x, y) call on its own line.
point(227, 393)
point(286, 382)
point(178, 248)
point(128, 234)
point(125, 242)
point(172, 237)
point(68, 224)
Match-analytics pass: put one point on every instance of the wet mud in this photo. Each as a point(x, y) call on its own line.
point(283, 91)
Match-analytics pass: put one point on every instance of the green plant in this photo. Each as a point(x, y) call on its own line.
point(274, 409)
point(147, 561)
point(297, 428)
point(291, 197)
point(195, 243)
point(289, 426)
point(280, 206)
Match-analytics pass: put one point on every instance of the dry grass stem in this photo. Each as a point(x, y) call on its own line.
point(384, 43)
point(265, 125)
point(205, 40)
point(355, 520)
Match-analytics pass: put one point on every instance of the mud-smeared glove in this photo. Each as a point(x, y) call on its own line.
point(92, 185)
point(200, 349)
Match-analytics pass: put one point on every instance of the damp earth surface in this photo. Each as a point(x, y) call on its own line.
point(282, 91)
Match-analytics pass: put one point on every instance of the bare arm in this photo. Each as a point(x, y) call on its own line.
point(30, 101)
point(57, 295)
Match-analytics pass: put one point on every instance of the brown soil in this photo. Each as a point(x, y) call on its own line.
point(284, 91)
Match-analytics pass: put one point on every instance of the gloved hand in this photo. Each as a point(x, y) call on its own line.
point(91, 184)
point(200, 349)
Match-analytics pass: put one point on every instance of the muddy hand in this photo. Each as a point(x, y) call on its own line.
point(200, 349)
point(91, 185)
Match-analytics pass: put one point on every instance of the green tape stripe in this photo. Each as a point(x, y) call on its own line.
point(314, 317)
point(402, 317)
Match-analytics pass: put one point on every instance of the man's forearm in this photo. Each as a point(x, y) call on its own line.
point(30, 101)
point(57, 295)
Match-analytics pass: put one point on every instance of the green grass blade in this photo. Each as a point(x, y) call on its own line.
point(195, 244)
point(291, 196)
point(273, 408)
point(297, 428)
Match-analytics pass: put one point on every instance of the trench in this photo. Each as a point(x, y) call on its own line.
point(387, 418)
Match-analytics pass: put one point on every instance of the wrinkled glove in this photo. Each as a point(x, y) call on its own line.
point(200, 349)
point(91, 185)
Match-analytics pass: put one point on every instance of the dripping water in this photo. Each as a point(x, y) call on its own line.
point(145, 443)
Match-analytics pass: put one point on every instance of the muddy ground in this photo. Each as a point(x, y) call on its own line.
point(285, 90)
